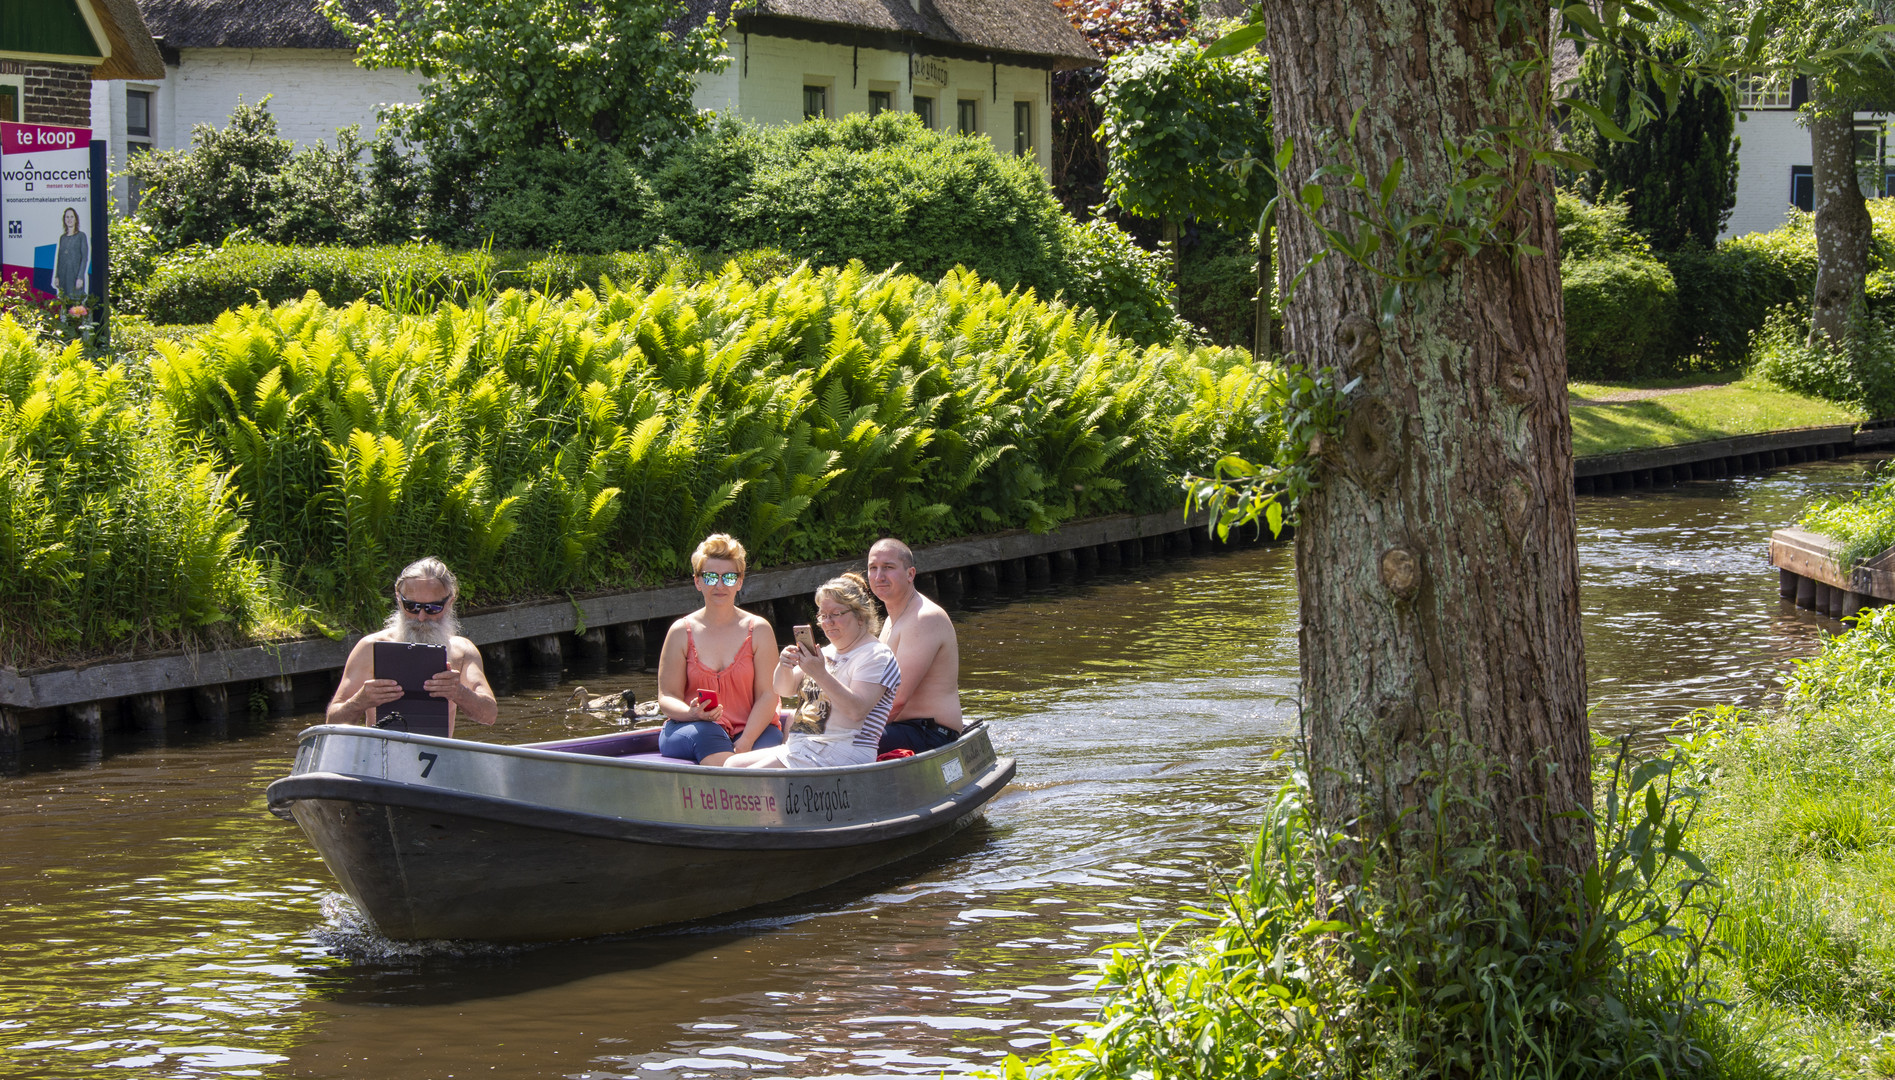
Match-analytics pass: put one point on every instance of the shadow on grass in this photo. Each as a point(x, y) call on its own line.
point(1608, 429)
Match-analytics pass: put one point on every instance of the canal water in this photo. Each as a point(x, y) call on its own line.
point(160, 923)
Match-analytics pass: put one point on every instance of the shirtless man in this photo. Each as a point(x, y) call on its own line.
point(424, 612)
point(927, 711)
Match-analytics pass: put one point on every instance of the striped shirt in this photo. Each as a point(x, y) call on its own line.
point(871, 661)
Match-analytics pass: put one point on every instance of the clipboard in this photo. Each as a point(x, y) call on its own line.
point(412, 664)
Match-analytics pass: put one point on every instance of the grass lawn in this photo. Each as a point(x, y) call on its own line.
point(1673, 414)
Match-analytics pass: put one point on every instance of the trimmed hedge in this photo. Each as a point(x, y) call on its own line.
point(197, 285)
point(1621, 311)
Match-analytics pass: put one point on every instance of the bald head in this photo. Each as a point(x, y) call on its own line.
point(891, 574)
point(895, 549)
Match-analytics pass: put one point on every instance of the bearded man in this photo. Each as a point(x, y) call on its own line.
point(424, 614)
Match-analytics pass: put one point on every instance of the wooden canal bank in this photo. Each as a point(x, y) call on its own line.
point(1663, 466)
point(1810, 575)
point(528, 644)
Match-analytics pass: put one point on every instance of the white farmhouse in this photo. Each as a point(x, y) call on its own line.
point(1773, 158)
point(981, 66)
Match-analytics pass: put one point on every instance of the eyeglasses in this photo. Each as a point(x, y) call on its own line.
point(728, 577)
point(416, 607)
point(831, 616)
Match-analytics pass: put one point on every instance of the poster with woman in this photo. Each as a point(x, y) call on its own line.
point(46, 205)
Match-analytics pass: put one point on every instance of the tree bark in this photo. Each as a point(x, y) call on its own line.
point(1437, 559)
point(1842, 216)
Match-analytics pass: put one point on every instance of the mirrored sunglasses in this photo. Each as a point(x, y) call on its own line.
point(712, 577)
point(416, 607)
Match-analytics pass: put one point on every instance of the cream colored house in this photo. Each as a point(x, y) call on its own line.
point(980, 66)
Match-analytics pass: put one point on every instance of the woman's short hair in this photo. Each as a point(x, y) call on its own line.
point(429, 569)
point(851, 590)
point(718, 546)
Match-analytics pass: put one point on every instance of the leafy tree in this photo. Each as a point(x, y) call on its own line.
point(1678, 172)
point(509, 74)
point(1182, 133)
point(1110, 27)
point(1842, 47)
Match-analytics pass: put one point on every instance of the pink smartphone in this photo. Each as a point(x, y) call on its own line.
point(707, 700)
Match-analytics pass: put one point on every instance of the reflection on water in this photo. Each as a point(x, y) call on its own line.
point(160, 923)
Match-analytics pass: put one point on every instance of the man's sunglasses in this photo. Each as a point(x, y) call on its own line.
point(416, 607)
point(728, 577)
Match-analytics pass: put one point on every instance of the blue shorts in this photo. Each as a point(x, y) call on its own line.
point(695, 740)
point(919, 734)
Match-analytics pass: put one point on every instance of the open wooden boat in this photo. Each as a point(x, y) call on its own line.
point(446, 838)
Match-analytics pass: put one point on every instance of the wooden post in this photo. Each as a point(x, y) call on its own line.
point(212, 703)
point(1786, 584)
point(983, 578)
point(593, 645)
point(1852, 603)
point(12, 739)
point(1039, 570)
point(1178, 544)
point(1064, 565)
point(87, 720)
point(929, 586)
point(1085, 561)
point(1154, 548)
point(1109, 557)
point(1806, 593)
point(148, 713)
point(1131, 553)
point(953, 587)
point(282, 692)
point(498, 660)
point(628, 641)
point(1013, 574)
point(545, 653)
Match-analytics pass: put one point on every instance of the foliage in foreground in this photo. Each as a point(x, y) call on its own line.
point(1799, 819)
point(545, 445)
point(1467, 963)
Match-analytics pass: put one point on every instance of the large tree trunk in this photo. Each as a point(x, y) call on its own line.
point(1842, 217)
point(1436, 561)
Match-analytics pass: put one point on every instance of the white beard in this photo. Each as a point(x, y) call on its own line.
point(441, 631)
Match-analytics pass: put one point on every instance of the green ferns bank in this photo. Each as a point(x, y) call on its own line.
point(271, 473)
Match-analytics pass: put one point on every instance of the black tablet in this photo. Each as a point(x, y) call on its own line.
point(411, 664)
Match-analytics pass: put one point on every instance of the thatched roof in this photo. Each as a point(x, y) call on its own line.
point(243, 24)
point(1004, 29)
point(1013, 30)
point(134, 54)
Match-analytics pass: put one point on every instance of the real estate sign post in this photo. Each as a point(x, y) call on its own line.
point(52, 211)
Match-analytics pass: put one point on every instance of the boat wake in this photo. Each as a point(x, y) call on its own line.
point(348, 934)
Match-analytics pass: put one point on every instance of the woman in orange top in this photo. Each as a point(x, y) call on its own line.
point(724, 649)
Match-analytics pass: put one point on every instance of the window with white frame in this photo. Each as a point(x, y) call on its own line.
point(138, 139)
point(1763, 92)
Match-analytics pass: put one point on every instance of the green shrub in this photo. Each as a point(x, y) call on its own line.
point(1591, 232)
point(196, 285)
point(1723, 299)
point(579, 200)
point(545, 444)
point(1620, 312)
point(1217, 290)
point(1864, 521)
point(115, 533)
point(1859, 371)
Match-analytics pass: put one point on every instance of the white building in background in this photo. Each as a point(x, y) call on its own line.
point(976, 66)
point(1773, 157)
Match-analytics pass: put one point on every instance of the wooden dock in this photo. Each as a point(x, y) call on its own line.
point(1810, 575)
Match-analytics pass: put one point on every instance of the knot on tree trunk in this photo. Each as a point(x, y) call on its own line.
point(1516, 504)
point(1369, 448)
point(1401, 572)
point(1360, 340)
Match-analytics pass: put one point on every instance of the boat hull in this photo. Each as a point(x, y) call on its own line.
point(440, 838)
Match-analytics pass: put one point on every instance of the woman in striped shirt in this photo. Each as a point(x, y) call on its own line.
point(849, 685)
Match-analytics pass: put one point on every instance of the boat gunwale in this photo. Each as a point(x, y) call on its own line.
point(533, 752)
point(376, 791)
